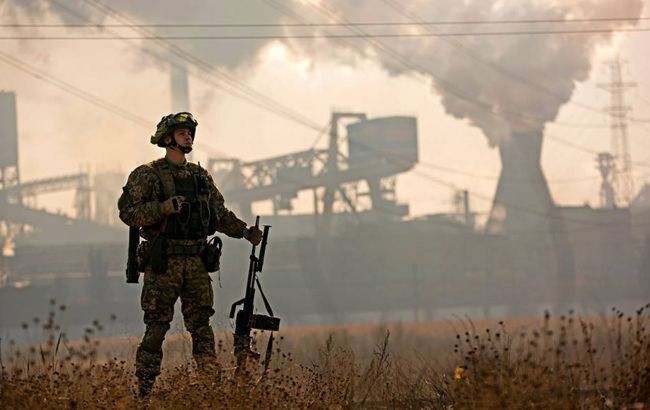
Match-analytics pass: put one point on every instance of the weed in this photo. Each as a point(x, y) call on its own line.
point(564, 362)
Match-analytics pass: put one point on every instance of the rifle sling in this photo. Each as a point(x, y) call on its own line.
point(266, 301)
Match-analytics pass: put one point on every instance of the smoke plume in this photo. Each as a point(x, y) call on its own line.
point(502, 84)
point(230, 54)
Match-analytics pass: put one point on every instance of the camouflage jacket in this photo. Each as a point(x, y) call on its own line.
point(139, 204)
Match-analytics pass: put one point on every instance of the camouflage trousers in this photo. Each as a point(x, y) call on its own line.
point(184, 277)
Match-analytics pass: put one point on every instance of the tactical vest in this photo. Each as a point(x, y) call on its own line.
point(195, 219)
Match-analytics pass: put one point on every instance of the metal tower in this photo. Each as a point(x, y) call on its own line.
point(620, 147)
point(377, 150)
point(607, 168)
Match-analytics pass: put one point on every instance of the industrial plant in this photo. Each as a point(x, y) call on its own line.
point(358, 255)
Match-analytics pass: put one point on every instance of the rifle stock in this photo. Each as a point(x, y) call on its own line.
point(132, 274)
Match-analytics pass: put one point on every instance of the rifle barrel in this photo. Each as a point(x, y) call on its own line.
point(265, 237)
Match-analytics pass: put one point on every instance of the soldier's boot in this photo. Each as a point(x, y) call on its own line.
point(147, 368)
point(209, 370)
point(204, 353)
point(148, 357)
point(145, 386)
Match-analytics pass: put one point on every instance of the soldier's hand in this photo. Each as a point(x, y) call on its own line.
point(253, 235)
point(172, 205)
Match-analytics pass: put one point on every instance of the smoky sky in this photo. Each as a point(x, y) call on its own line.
point(502, 85)
point(231, 54)
point(219, 53)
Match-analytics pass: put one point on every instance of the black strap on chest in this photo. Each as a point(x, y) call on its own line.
point(161, 168)
point(163, 171)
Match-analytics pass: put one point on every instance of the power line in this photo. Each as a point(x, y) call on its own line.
point(295, 16)
point(514, 75)
point(496, 67)
point(156, 37)
point(114, 12)
point(89, 98)
point(588, 150)
point(142, 49)
point(346, 36)
point(71, 89)
point(167, 45)
point(366, 24)
point(395, 158)
point(416, 67)
point(320, 135)
point(497, 178)
point(291, 14)
point(529, 210)
point(410, 64)
point(571, 144)
point(103, 104)
point(241, 90)
point(141, 25)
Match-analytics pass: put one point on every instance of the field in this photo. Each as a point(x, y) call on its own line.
point(550, 362)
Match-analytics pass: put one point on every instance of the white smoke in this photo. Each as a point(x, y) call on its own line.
point(487, 95)
point(475, 85)
point(231, 54)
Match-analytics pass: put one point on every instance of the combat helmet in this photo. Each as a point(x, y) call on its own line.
point(170, 122)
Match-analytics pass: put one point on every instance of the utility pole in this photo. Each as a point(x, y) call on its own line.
point(462, 207)
point(620, 147)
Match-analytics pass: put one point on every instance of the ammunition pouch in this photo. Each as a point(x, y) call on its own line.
point(150, 253)
point(212, 254)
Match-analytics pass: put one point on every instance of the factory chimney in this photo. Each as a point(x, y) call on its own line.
point(180, 92)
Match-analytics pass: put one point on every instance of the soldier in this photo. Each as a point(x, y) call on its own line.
point(176, 205)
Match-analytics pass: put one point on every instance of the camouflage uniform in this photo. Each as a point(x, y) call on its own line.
point(184, 274)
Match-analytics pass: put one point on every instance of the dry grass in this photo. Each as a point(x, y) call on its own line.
point(564, 362)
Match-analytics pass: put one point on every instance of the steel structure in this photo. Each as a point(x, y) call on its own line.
point(16, 216)
point(620, 146)
point(377, 151)
point(607, 169)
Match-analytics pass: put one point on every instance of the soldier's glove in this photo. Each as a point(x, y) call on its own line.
point(172, 205)
point(253, 235)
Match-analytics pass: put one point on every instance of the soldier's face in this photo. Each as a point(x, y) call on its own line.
point(183, 137)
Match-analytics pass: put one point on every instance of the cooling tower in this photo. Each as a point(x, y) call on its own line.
point(523, 201)
point(524, 211)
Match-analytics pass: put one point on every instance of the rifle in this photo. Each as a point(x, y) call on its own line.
point(132, 274)
point(246, 318)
